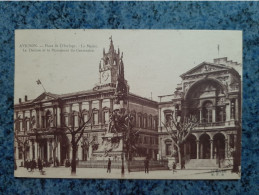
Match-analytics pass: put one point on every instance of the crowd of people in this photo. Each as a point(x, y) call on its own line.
point(31, 165)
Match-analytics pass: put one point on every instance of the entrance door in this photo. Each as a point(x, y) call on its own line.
point(219, 146)
point(205, 146)
point(191, 150)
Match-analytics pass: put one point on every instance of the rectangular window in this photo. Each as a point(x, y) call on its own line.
point(43, 122)
point(106, 117)
point(76, 121)
point(27, 125)
point(139, 121)
point(85, 117)
point(66, 120)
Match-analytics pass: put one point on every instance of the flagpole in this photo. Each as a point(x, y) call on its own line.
point(39, 83)
point(43, 87)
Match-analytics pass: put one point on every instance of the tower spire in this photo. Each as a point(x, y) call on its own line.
point(111, 45)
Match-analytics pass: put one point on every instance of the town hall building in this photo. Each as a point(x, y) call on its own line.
point(40, 124)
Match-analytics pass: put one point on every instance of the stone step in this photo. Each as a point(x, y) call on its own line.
point(134, 165)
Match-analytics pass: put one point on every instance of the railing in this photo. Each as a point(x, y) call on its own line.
point(214, 124)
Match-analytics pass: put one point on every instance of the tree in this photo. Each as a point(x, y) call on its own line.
point(76, 134)
point(22, 139)
point(23, 143)
point(179, 128)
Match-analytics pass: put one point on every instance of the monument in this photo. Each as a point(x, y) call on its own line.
point(116, 137)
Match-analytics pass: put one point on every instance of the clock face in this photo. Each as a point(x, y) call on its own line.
point(105, 76)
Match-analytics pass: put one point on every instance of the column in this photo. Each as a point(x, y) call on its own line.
point(232, 109)
point(90, 112)
point(70, 116)
point(39, 121)
point(16, 152)
point(90, 151)
point(211, 149)
point(23, 121)
point(228, 106)
point(111, 104)
point(226, 148)
point(48, 149)
point(100, 112)
point(54, 117)
point(58, 116)
point(30, 152)
point(79, 152)
point(200, 115)
point(36, 151)
point(70, 152)
point(184, 149)
point(58, 152)
point(37, 118)
point(201, 150)
point(30, 121)
point(198, 149)
point(236, 109)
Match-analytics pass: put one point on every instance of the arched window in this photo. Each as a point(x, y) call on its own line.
point(207, 112)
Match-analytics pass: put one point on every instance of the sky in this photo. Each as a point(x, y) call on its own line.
point(153, 59)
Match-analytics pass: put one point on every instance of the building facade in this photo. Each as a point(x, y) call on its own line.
point(41, 124)
point(211, 92)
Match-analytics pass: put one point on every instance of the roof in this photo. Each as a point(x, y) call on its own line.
point(220, 66)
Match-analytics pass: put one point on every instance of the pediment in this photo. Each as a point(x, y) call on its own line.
point(204, 68)
point(45, 97)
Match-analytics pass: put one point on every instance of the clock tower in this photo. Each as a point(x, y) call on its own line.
point(108, 66)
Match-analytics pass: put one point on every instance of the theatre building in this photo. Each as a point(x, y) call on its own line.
point(212, 93)
point(42, 122)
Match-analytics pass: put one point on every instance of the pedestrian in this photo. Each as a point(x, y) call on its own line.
point(26, 164)
point(109, 166)
point(146, 163)
point(40, 165)
point(174, 167)
point(33, 164)
point(183, 164)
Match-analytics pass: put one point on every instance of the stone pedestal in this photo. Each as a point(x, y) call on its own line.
point(111, 147)
point(171, 161)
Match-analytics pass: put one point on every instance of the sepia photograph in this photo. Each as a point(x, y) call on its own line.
point(128, 104)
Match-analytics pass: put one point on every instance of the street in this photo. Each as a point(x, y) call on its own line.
point(99, 173)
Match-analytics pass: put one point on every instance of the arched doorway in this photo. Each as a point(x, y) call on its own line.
point(191, 148)
point(219, 146)
point(204, 146)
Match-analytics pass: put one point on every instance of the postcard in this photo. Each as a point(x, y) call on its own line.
point(128, 104)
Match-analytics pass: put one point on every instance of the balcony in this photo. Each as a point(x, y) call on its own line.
point(224, 124)
point(208, 126)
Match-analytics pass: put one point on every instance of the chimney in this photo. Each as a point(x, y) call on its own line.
point(20, 100)
point(25, 98)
